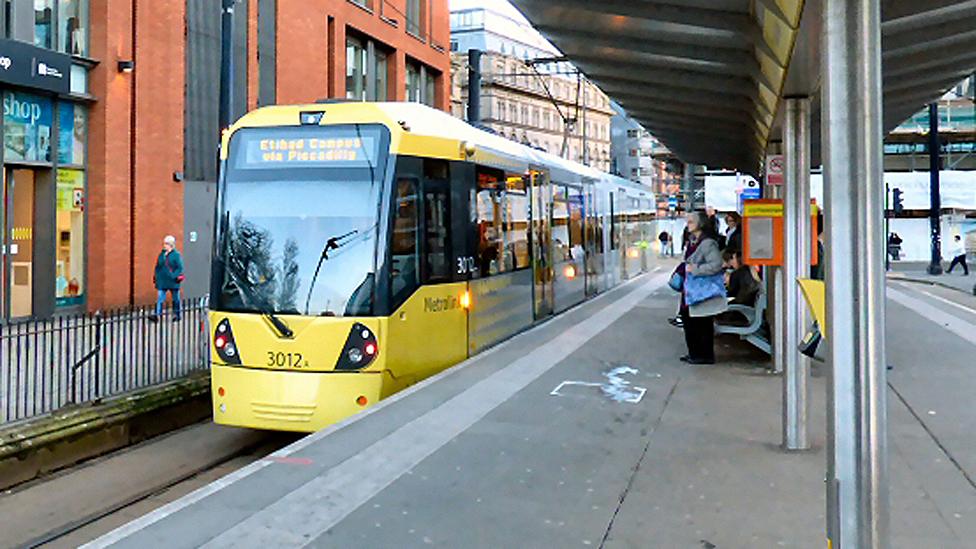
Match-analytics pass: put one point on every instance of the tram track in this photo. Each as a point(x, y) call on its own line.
point(81, 503)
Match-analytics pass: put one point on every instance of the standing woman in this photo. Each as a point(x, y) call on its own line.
point(702, 258)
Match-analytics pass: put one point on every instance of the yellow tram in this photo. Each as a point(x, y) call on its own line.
point(362, 247)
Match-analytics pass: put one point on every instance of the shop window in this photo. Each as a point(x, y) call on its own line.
point(404, 272)
point(70, 240)
point(27, 127)
point(43, 23)
point(73, 26)
point(72, 129)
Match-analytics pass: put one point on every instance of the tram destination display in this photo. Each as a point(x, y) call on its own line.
point(302, 148)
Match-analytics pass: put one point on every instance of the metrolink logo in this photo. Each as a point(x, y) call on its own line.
point(5, 62)
point(440, 304)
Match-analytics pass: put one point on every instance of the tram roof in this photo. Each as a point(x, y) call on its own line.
point(707, 77)
point(421, 130)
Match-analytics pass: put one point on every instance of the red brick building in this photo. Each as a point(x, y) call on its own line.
point(110, 123)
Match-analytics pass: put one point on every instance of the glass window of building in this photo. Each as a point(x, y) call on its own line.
point(368, 4)
point(379, 72)
point(419, 84)
point(72, 131)
point(43, 23)
point(70, 241)
point(355, 69)
point(27, 125)
point(366, 70)
point(414, 16)
point(73, 27)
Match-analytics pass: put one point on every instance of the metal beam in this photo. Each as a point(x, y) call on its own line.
point(635, 72)
point(704, 19)
point(928, 17)
point(666, 48)
point(902, 47)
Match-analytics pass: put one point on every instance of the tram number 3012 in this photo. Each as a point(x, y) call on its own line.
point(286, 360)
point(466, 265)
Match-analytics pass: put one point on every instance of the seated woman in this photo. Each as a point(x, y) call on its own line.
point(742, 286)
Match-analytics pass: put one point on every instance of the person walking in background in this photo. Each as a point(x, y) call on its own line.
point(664, 238)
point(894, 246)
point(167, 278)
point(958, 251)
point(702, 259)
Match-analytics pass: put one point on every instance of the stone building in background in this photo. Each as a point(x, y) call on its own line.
point(528, 94)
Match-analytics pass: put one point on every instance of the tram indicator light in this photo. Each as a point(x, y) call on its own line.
point(465, 300)
point(370, 349)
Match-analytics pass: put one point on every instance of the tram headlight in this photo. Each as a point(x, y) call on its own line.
point(360, 349)
point(223, 341)
point(355, 355)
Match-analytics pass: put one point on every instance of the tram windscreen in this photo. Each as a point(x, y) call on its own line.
point(297, 223)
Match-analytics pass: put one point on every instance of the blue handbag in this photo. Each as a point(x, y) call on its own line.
point(677, 282)
point(703, 288)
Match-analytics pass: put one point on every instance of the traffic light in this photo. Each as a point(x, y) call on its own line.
point(898, 203)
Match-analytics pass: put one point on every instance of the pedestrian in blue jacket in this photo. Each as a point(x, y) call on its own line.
point(167, 278)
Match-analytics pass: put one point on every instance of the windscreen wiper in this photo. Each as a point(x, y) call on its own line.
point(333, 243)
point(278, 324)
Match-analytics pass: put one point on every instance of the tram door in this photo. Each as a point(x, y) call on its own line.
point(592, 242)
point(541, 196)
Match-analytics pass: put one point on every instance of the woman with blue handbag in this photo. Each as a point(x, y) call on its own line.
point(703, 294)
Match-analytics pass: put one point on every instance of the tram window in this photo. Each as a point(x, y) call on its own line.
point(403, 272)
point(516, 202)
point(614, 219)
point(575, 202)
point(560, 225)
point(436, 222)
point(502, 216)
point(489, 222)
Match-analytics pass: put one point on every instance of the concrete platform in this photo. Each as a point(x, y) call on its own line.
point(486, 455)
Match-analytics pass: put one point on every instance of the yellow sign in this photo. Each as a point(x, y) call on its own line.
point(762, 210)
point(71, 190)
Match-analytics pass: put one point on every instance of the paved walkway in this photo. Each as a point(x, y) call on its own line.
point(588, 432)
point(917, 272)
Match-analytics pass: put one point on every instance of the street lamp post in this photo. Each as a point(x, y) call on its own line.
point(935, 194)
point(226, 63)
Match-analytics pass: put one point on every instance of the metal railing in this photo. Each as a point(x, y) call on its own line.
point(46, 364)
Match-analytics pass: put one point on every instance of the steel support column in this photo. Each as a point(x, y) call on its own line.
point(796, 264)
point(857, 480)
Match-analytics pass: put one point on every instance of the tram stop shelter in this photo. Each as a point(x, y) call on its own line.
point(726, 82)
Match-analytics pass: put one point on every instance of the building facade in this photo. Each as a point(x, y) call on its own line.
point(638, 156)
point(540, 110)
point(527, 94)
point(110, 124)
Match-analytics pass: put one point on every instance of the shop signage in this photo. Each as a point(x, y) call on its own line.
point(24, 64)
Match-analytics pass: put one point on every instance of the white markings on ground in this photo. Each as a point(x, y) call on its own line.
point(309, 511)
point(952, 323)
point(616, 387)
point(949, 302)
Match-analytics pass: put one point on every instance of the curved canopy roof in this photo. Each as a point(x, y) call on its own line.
point(707, 76)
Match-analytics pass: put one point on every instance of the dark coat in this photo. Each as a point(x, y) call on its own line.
point(169, 271)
